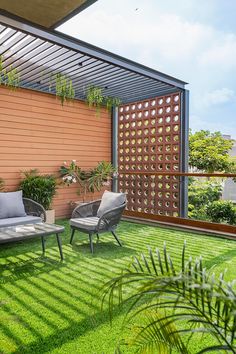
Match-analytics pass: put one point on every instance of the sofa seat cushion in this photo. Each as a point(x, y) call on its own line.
point(87, 224)
point(20, 220)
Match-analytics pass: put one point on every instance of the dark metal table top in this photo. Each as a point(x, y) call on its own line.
point(27, 231)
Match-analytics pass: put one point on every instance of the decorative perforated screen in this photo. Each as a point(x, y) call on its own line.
point(149, 141)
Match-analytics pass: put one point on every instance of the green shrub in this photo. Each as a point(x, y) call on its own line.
point(200, 194)
point(203, 192)
point(221, 211)
point(40, 188)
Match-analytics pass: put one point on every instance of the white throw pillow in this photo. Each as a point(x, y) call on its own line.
point(110, 200)
point(11, 205)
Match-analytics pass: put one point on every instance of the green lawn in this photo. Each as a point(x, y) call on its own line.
point(48, 306)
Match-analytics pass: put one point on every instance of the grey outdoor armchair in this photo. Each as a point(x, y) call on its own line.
point(33, 208)
point(90, 219)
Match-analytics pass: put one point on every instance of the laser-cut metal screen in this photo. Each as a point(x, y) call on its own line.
point(149, 141)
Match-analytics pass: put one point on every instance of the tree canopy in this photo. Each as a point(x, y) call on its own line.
point(209, 152)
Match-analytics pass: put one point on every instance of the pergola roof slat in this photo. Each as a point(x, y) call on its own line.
point(39, 54)
point(10, 43)
point(6, 34)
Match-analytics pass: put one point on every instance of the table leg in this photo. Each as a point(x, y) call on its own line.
point(59, 246)
point(43, 244)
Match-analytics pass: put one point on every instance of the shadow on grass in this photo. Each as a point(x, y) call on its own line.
point(26, 268)
point(63, 336)
point(106, 250)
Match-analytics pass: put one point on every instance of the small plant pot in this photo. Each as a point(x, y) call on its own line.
point(50, 216)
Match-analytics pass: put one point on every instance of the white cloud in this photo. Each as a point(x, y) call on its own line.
point(197, 52)
point(197, 123)
point(220, 96)
point(165, 41)
point(221, 53)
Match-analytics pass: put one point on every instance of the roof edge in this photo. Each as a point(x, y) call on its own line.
point(73, 13)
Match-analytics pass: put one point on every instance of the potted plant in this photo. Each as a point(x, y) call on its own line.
point(88, 181)
point(42, 189)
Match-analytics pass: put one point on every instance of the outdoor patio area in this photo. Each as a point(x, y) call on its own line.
point(91, 141)
point(49, 306)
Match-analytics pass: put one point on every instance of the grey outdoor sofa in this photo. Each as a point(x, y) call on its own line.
point(35, 213)
point(93, 218)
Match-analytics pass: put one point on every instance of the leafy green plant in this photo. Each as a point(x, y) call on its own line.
point(95, 98)
point(88, 181)
point(172, 304)
point(10, 77)
point(200, 195)
point(205, 203)
point(100, 176)
point(64, 88)
point(112, 102)
point(222, 211)
point(203, 192)
point(40, 188)
point(72, 173)
point(2, 185)
point(210, 151)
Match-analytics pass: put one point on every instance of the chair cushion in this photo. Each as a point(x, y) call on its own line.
point(110, 200)
point(20, 221)
point(11, 205)
point(87, 224)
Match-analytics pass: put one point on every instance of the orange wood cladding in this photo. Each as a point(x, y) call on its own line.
point(37, 132)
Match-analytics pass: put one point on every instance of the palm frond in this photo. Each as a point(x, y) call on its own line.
point(189, 295)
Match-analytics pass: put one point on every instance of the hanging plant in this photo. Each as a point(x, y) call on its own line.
point(64, 88)
point(95, 98)
point(112, 102)
point(10, 77)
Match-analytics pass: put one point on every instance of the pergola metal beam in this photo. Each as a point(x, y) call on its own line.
point(90, 50)
point(39, 54)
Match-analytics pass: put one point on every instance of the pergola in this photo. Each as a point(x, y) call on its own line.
point(150, 129)
point(39, 53)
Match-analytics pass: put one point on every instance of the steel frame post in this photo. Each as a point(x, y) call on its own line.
point(114, 143)
point(184, 146)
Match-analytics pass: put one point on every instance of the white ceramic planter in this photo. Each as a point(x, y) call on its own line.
point(50, 216)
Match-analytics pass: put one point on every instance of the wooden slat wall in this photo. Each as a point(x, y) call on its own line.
point(37, 132)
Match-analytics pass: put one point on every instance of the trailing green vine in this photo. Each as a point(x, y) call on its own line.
point(64, 88)
point(95, 98)
point(10, 77)
point(112, 102)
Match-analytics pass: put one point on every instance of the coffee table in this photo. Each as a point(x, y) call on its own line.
point(28, 231)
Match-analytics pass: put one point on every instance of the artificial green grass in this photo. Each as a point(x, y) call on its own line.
point(48, 306)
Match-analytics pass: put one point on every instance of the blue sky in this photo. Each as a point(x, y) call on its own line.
point(193, 40)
